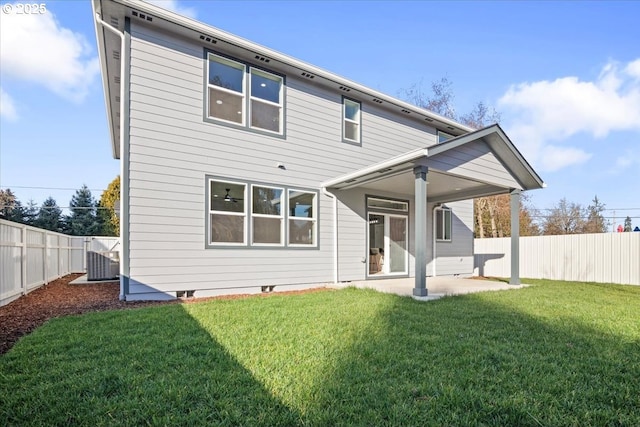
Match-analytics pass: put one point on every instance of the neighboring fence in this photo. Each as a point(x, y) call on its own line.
point(604, 258)
point(31, 257)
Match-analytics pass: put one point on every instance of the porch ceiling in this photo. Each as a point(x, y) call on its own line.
point(477, 164)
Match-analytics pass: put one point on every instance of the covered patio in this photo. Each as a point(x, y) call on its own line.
point(477, 164)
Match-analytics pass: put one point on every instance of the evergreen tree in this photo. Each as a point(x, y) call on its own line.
point(30, 213)
point(82, 221)
point(7, 203)
point(627, 224)
point(49, 216)
point(596, 223)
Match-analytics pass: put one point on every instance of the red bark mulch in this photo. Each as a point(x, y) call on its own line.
point(60, 298)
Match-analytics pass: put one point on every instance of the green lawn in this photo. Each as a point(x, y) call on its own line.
point(552, 354)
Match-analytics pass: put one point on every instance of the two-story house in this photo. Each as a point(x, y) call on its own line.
point(244, 169)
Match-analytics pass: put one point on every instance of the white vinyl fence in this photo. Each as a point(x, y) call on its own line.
point(31, 257)
point(603, 258)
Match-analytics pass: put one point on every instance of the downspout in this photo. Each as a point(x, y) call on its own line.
point(335, 232)
point(433, 238)
point(115, 31)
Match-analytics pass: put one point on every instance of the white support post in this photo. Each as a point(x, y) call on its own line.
point(515, 238)
point(420, 201)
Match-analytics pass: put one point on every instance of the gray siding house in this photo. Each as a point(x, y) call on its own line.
point(244, 169)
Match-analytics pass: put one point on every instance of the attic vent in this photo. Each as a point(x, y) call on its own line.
point(142, 16)
point(378, 101)
point(350, 181)
point(346, 89)
point(116, 55)
point(428, 119)
point(114, 21)
point(450, 127)
point(263, 59)
point(406, 111)
point(208, 39)
point(116, 80)
point(384, 170)
point(117, 98)
point(307, 75)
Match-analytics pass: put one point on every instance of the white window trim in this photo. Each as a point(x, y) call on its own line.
point(280, 105)
point(247, 97)
point(444, 224)
point(346, 120)
point(281, 216)
point(242, 214)
point(446, 135)
point(314, 219)
point(242, 94)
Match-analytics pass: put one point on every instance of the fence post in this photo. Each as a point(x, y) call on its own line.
point(46, 258)
point(23, 259)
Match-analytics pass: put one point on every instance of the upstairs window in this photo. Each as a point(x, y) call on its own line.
point(226, 90)
point(238, 91)
point(350, 121)
point(443, 224)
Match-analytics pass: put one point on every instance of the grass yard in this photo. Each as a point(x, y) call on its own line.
point(553, 354)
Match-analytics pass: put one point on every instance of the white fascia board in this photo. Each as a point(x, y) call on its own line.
point(404, 158)
point(254, 47)
point(97, 9)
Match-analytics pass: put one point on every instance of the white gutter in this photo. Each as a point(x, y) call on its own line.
point(122, 115)
point(335, 232)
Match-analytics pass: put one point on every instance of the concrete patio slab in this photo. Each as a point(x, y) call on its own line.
point(437, 287)
point(82, 280)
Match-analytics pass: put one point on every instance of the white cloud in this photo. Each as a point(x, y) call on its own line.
point(556, 158)
point(174, 6)
point(7, 107)
point(546, 111)
point(35, 48)
point(629, 159)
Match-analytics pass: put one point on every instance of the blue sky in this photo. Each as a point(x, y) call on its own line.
point(565, 77)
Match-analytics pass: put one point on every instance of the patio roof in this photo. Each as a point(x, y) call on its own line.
point(480, 163)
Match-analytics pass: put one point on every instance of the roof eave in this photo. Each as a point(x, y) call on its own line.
point(97, 10)
point(278, 56)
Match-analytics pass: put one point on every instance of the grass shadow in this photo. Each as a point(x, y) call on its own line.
point(151, 366)
point(477, 360)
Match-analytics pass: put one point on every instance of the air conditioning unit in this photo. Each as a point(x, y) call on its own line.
point(103, 265)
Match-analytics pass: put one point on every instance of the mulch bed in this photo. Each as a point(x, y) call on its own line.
point(60, 298)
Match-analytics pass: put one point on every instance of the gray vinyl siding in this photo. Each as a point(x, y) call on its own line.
point(456, 256)
point(474, 160)
point(172, 148)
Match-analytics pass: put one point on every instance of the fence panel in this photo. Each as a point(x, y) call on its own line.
point(31, 257)
point(603, 258)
